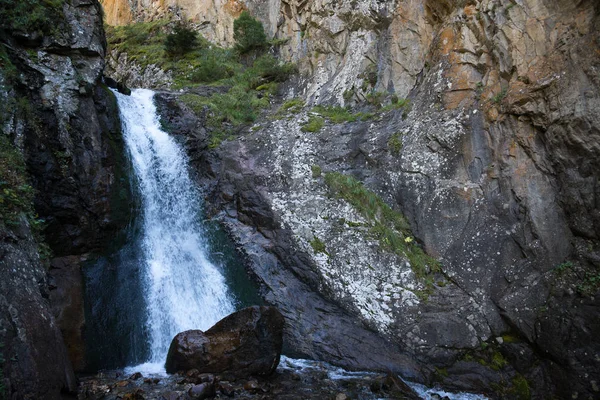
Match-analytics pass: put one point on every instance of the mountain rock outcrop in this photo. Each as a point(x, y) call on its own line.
point(476, 120)
point(492, 162)
point(64, 123)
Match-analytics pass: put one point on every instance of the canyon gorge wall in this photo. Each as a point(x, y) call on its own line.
point(494, 170)
point(494, 164)
point(63, 122)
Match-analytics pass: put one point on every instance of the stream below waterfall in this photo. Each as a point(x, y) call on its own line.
point(173, 272)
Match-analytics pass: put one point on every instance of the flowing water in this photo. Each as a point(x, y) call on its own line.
point(183, 289)
point(164, 274)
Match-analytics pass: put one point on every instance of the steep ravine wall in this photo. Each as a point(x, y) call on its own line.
point(495, 169)
point(64, 122)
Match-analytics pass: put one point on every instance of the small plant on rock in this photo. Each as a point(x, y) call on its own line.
point(318, 246)
point(316, 171)
point(395, 143)
point(500, 96)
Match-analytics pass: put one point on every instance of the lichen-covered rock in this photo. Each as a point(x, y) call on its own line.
point(492, 166)
point(247, 342)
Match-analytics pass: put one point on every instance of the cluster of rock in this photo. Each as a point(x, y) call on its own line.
point(284, 384)
point(238, 357)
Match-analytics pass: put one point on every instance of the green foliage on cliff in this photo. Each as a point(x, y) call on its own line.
point(30, 16)
point(7, 68)
point(249, 34)
point(318, 246)
point(338, 115)
point(244, 100)
point(314, 124)
point(395, 143)
point(250, 84)
point(520, 388)
point(16, 195)
point(388, 226)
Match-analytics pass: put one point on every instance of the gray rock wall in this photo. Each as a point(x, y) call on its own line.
point(495, 171)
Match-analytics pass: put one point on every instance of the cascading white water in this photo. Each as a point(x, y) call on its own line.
point(183, 289)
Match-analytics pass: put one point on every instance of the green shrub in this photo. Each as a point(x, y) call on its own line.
point(182, 40)
point(397, 103)
point(316, 171)
point(498, 97)
point(498, 361)
point(338, 115)
point(376, 99)
point(249, 34)
point(8, 69)
point(294, 105)
point(29, 16)
point(335, 114)
point(520, 388)
point(211, 68)
point(563, 267)
point(269, 69)
point(395, 143)
point(144, 42)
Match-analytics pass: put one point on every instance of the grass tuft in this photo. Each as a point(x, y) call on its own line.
point(314, 124)
point(388, 226)
point(395, 143)
point(339, 115)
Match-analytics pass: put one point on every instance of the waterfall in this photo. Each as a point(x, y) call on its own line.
point(182, 288)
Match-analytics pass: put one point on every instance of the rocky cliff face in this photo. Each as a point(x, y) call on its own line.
point(493, 165)
point(65, 124)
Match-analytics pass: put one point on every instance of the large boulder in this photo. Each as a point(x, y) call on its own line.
point(247, 342)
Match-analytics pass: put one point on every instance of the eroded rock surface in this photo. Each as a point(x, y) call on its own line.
point(35, 362)
point(492, 164)
point(247, 342)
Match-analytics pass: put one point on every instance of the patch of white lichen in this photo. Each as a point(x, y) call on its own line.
point(353, 267)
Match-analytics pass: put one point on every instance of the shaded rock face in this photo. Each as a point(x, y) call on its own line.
point(492, 165)
point(66, 125)
point(36, 364)
point(247, 342)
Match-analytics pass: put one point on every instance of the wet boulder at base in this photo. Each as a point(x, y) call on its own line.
point(247, 342)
